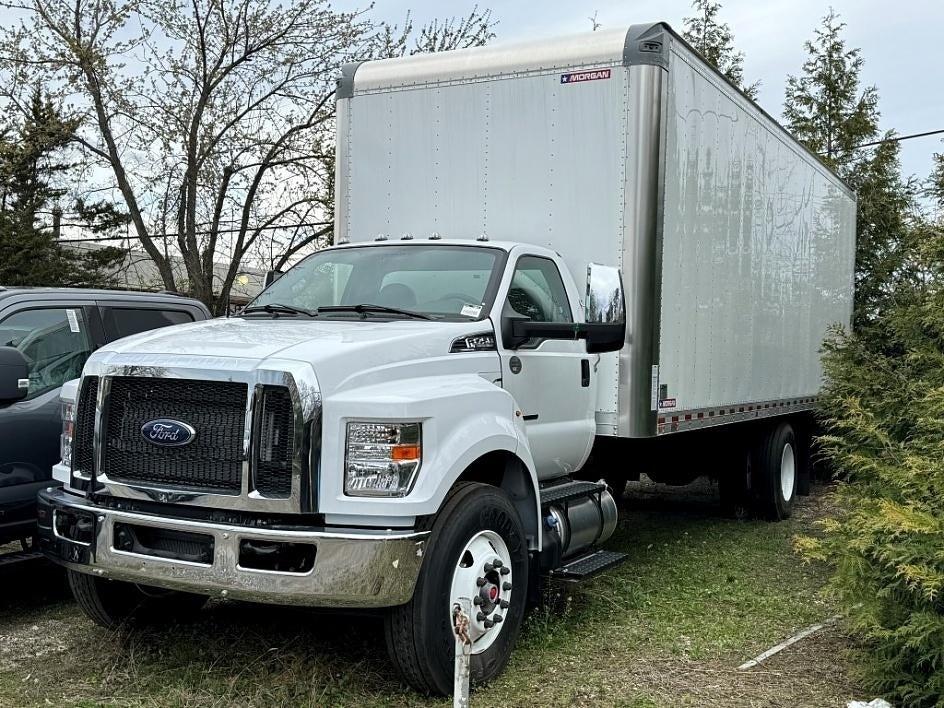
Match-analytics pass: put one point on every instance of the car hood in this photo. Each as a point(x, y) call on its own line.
point(340, 347)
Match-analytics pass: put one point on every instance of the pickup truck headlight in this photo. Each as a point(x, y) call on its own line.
point(381, 459)
point(67, 412)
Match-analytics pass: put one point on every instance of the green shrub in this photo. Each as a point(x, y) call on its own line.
point(883, 408)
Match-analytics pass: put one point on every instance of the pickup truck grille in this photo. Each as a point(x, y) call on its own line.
point(215, 409)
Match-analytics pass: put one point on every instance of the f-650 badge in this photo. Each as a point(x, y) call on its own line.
point(593, 75)
point(168, 433)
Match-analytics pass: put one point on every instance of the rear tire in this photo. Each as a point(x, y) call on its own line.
point(419, 634)
point(775, 472)
point(112, 603)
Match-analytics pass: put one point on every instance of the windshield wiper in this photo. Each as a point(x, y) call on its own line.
point(364, 308)
point(279, 308)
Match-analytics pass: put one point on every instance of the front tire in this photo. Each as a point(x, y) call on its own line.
point(112, 603)
point(477, 526)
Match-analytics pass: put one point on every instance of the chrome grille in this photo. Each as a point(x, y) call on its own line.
point(215, 409)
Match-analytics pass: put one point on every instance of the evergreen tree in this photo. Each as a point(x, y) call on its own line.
point(715, 42)
point(29, 164)
point(883, 406)
point(828, 111)
point(824, 107)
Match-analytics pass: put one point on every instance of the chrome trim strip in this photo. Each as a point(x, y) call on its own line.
point(353, 567)
point(641, 257)
point(55, 531)
point(303, 388)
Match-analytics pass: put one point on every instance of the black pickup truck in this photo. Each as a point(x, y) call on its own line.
point(46, 334)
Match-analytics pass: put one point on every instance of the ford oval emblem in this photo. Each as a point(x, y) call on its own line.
point(168, 433)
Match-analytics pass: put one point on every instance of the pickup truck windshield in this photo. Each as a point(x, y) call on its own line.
point(438, 281)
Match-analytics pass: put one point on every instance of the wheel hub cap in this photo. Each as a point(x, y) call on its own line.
point(483, 576)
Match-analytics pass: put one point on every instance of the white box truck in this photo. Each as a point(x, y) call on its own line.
point(556, 262)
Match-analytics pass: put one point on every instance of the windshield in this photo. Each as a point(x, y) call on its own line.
point(443, 282)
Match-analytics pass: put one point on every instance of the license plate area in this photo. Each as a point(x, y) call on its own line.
point(163, 543)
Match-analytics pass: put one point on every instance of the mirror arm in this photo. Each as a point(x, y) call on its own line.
point(526, 329)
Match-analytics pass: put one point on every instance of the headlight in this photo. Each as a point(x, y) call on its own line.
point(67, 411)
point(381, 459)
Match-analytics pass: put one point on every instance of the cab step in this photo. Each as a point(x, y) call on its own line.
point(561, 493)
point(588, 565)
point(19, 557)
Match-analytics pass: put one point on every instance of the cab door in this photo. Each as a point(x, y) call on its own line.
point(549, 379)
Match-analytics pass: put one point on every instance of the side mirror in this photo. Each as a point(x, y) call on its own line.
point(14, 375)
point(271, 276)
point(605, 312)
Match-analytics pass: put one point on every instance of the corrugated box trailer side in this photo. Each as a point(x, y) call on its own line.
point(622, 148)
point(757, 249)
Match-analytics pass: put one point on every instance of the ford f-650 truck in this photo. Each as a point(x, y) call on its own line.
point(556, 262)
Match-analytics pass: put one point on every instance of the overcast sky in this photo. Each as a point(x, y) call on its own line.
point(902, 44)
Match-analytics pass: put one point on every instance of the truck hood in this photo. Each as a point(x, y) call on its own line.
point(341, 348)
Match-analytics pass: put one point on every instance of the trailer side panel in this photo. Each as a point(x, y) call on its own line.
point(758, 244)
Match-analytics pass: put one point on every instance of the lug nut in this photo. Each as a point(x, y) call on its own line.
point(481, 617)
point(498, 563)
point(488, 624)
point(506, 586)
point(489, 567)
point(503, 604)
point(496, 618)
point(480, 581)
point(476, 600)
point(504, 571)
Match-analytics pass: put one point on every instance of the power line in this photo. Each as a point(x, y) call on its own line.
point(195, 233)
point(899, 138)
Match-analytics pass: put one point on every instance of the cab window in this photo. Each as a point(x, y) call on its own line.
point(54, 341)
point(537, 291)
point(125, 321)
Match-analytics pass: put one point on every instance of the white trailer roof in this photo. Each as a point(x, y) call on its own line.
point(573, 51)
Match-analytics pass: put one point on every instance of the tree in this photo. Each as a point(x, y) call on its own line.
point(883, 406)
point(30, 253)
point(715, 42)
point(213, 118)
point(828, 111)
point(824, 107)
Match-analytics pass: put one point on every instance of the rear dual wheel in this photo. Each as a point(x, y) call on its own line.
point(764, 478)
point(477, 550)
point(776, 468)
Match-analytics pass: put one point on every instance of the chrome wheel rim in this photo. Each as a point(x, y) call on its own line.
point(483, 576)
point(787, 472)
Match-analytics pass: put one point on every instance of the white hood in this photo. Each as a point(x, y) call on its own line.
point(338, 348)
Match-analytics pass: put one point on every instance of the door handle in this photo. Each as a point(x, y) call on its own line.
point(584, 373)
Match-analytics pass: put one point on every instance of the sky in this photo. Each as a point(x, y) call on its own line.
point(902, 46)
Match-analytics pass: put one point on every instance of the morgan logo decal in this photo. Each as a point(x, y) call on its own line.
point(168, 433)
point(576, 77)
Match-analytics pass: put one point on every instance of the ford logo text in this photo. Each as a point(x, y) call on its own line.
point(168, 433)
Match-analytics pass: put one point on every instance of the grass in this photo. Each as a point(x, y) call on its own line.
point(698, 596)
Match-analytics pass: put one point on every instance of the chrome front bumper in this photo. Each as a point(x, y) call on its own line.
point(352, 567)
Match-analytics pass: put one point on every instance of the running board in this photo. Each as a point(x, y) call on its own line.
point(588, 565)
point(19, 557)
point(560, 493)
